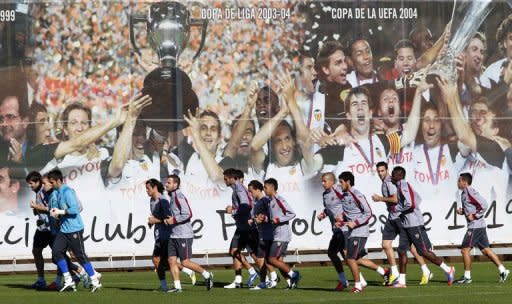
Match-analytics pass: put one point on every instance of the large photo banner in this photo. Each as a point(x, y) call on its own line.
point(114, 93)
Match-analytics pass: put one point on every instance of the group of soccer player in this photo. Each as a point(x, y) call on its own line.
point(60, 227)
point(349, 213)
point(262, 219)
point(262, 227)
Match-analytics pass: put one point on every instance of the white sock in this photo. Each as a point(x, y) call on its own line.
point(273, 276)
point(291, 273)
point(401, 278)
point(187, 271)
point(238, 279)
point(358, 285)
point(205, 274)
point(342, 278)
point(288, 281)
point(501, 268)
point(445, 267)
point(425, 270)
point(380, 271)
point(361, 279)
point(467, 274)
point(394, 270)
point(252, 271)
point(177, 284)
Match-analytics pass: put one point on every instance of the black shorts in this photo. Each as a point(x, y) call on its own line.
point(160, 249)
point(355, 247)
point(337, 243)
point(252, 242)
point(278, 249)
point(476, 237)
point(243, 239)
point(263, 248)
point(42, 239)
point(74, 242)
point(417, 236)
point(181, 248)
point(392, 228)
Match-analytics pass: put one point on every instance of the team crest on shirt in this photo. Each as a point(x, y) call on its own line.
point(144, 166)
point(317, 114)
point(293, 170)
point(379, 152)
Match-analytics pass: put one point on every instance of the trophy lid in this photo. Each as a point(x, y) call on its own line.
point(172, 98)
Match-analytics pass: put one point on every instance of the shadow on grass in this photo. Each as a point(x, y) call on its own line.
point(23, 286)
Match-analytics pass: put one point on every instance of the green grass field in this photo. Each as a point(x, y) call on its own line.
point(315, 287)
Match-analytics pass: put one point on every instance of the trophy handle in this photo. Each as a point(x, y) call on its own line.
point(134, 19)
point(204, 26)
point(203, 23)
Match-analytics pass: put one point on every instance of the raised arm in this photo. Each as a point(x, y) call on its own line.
point(124, 142)
point(89, 136)
point(430, 55)
point(240, 126)
point(215, 172)
point(304, 137)
point(413, 120)
point(450, 96)
point(289, 91)
point(265, 132)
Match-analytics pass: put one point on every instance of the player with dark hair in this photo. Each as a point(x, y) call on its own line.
point(412, 221)
point(473, 208)
point(245, 234)
point(66, 208)
point(492, 74)
point(332, 200)
point(182, 235)
point(393, 227)
point(356, 216)
point(280, 216)
point(43, 236)
point(327, 106)
point(159, 211)
point(362, 57)
point(260, 212)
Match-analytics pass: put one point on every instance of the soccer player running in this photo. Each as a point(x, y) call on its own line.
point(159, 208)
point(66, 208)
point(182, 236)
point(280, 216)
point(45, 232)
point(245, 234)
point(473, 208)
point(412, 221)
point(332, 199)
point(356, 215)
point(393, 227)
point(259, 213)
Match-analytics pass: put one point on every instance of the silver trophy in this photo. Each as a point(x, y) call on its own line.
point(168, 30)
point(475, 14)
